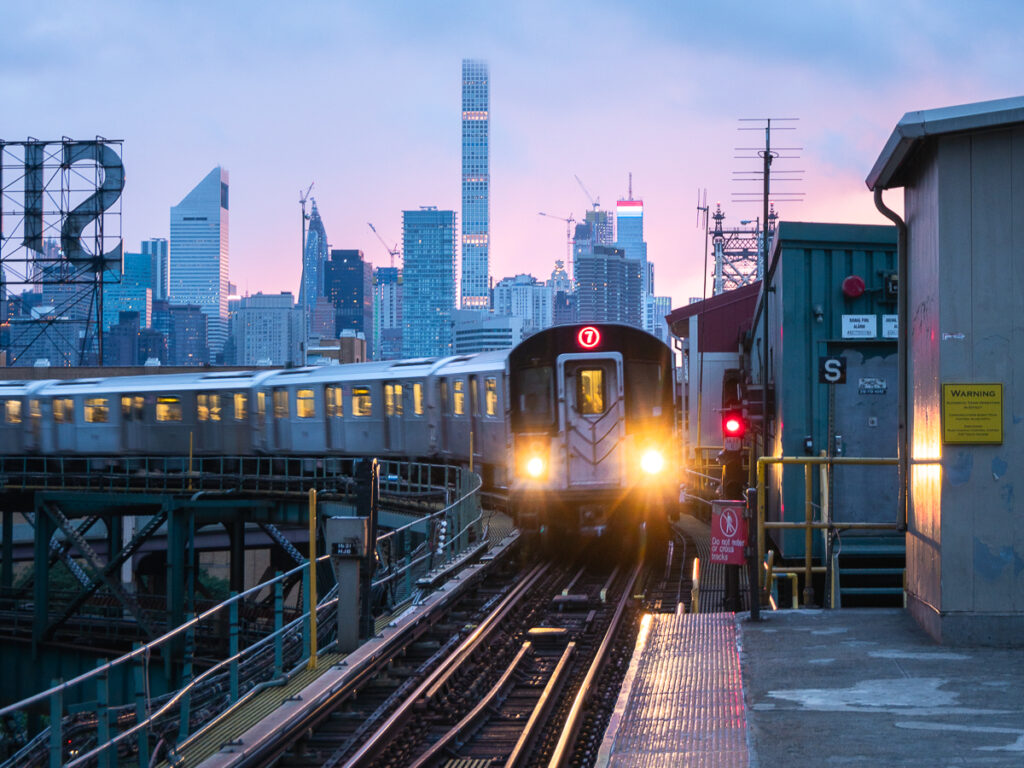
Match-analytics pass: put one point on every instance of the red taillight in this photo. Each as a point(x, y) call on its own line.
point(733, 424)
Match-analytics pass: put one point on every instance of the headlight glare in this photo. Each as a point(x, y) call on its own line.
point(652, 462)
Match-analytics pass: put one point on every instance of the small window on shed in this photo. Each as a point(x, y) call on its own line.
point(63, 410)
point(362, 402)
point(96, 410)
point(459, 397)
point(491, 395)
point(12, 411)
point(280, 403)
point(241, 405)
point(417, 398)
point(305, 404)
point(333, 395)
point(168, 408)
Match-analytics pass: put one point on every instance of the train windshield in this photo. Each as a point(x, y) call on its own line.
point(536, 400)
point(590, 399)
point(645, 393)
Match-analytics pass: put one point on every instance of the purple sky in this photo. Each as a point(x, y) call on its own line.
point(364, 100)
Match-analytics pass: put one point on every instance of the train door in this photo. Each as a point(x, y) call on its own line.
point(592, 418)
point(209, 429)
point(259, 421)
point(281, 418)
point(64, 424)
point(393, 413)
point(334, 411)
point(133, 429)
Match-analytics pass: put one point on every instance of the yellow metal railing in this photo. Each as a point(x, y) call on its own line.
point(809, 524)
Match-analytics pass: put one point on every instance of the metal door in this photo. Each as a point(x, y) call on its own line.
point(864, 419)
point(591, 413)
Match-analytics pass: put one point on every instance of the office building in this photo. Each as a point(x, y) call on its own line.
point(267, 329)
point(476, 330)
point(314, 259)
point(428, 281)
point(608, 287)
point(527, 298)
point(187, 334)
point(656, 308)
point(129, 291)
point(348, 285)
point(198, 273)
point(387, 313)
point(158, 251)
point(476, 184)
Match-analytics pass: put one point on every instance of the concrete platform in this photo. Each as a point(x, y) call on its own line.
point(860, 687)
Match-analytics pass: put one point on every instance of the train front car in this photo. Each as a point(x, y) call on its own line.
point(593, 434)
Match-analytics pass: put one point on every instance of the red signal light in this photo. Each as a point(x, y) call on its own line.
point(733, 424)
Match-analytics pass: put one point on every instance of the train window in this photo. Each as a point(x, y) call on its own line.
point(536, 397)
point(305, 404)
point(261, 405)
point(393, 399)
point(458, 397)
point(644, 391)
point(280, 403)
point(35, 411)
point(491, 395)
point(474, 396)
point(590, 391)
point(362, 403)
point(96, 410)
point(446, 406)
point(208, 406)
point(335, 402)
point(12, 411)
point(63, 410)
point(131, 407)
point(168, 409)
point(241, 404)
point(417, 398)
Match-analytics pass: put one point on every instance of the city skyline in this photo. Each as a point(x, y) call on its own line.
point(661, 98)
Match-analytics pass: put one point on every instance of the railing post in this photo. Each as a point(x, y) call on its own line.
point(141, 705)
point(808, 535)
point(278, 625)
point(760, 515)
point(103, 719)
point(56, 725)
point(312, 579)
point(753, 564)
point(233, 647)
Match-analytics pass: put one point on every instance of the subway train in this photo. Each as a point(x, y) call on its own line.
point(572, 425)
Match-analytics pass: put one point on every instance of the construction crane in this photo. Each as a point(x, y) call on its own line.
point(303, 197)
point(392, 252)
point(568, 235)
point(594, 202)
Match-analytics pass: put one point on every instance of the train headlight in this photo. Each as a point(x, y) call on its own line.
point(652, 462)
point(535, 466)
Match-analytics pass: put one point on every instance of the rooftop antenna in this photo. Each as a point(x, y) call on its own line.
point(630, 185)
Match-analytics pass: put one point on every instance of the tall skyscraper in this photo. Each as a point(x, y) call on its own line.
point(387, 313)
point(156, 249)
point(348, 284)
point(198, 274)
point(428, 286)
point(476, 184)
point(314, 257)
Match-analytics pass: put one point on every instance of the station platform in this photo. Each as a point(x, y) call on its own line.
point(855, 687)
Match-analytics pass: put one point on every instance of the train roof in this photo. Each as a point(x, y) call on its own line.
point(156, 382)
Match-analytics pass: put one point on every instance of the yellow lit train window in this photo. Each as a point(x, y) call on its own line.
point(362, 402)
point(131, 407)
point(398, 399)
point(241, 404)
point(491, 395)
point(590, 391)
point(96, 410)
point(63, 410)
point(261, 405)
point(474, 396)
point(335, 403)
point(305, 404)
point(393, 399)
point(168, 409)
point(417, 398)
point(458, 397)
point(12, 411)
point(214, 407)
point(280, 403)
point(202, 407)
point(35, 412)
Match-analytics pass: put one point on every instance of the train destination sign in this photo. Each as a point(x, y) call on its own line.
point(972, 413)
point(728, 532)
point(588, 337)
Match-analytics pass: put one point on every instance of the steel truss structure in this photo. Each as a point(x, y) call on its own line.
point(738, 252)
point(60, 238)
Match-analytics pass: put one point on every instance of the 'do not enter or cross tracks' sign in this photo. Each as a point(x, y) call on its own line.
point(728, 532)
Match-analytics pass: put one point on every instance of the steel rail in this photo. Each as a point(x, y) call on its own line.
point(540, 711)
point(429, 687)
point(567, 739)
point(456, 730)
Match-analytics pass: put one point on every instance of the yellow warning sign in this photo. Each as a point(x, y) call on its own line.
point(972, 413)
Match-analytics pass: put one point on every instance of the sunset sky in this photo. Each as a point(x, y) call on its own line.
point(364, 99)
